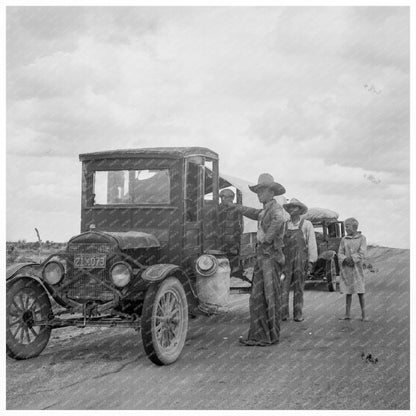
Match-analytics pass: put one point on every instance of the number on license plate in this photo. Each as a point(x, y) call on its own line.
point(91, 261)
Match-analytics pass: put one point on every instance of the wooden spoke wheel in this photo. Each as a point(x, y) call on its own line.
point(28, 309)
point(331, 275)
point(165, 321)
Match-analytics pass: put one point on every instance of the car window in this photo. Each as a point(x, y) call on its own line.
point(319, 232)
point(132, 187)
point(209, 180)
point(191, 192)
point(334, 230)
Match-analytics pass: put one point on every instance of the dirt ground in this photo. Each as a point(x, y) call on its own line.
point(318, 363)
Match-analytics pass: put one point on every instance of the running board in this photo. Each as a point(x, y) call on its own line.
point(83, 323)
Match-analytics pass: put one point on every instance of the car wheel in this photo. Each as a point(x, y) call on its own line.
point(164, 321)
point(331, 275)
point(26, 306)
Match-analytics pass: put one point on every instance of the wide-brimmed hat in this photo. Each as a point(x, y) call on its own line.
point(267, 181)
point(227, 192)
point(296, 203)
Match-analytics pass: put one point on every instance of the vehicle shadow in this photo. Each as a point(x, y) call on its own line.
point(103, 344)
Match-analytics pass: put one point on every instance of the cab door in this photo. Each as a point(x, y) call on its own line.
point(193, 200)
point(210, 221)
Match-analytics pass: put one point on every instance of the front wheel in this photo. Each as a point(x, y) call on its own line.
point(331, 275)
point(27, 310)
point(164, 321)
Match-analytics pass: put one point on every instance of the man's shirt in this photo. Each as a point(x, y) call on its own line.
point(270, 222)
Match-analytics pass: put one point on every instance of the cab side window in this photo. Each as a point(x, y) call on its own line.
point(333, 230)
point(191, 192)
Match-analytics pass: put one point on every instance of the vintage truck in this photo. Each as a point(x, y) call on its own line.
point(328, 233)
point(149, 219)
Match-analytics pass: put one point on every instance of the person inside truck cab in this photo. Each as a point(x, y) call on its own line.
point(230, 227)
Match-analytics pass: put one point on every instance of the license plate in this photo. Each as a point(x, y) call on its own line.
point(89, 261)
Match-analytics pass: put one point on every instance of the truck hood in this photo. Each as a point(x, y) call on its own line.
point(134, 239)
point(123, 239)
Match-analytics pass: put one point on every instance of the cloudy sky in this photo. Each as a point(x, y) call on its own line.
point(317, 96)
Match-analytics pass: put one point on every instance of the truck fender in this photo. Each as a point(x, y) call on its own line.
point(18, 268)
point(20, 277)
point(30, 271)
point(328, 255)
point(158, 272)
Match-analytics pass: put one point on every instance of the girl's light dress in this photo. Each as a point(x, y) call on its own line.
point(352, 277)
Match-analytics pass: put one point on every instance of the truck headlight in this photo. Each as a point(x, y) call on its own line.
point(121, 274)
point(53, 272)
point(206, 265)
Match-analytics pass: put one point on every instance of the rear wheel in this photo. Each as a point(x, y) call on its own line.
point(165, 321)
point(331, 275)
point(27, 309)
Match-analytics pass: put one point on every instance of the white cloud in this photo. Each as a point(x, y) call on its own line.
point(270, 89)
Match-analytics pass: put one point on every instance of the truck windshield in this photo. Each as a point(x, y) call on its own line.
point(132, 187)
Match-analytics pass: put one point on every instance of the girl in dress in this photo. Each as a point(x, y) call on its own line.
point(351, 255)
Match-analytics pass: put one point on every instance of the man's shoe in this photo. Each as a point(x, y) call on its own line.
point(298, 319)
point(248, 342)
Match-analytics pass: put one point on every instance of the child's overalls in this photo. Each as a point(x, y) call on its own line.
point(296, 254)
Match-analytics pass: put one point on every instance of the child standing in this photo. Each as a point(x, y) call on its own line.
point(351, 254)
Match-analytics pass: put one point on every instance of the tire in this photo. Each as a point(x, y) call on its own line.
point(331, 275)
point(27, 302)
point(164, 337)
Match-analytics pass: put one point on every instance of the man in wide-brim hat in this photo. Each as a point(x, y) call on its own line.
point(265, 299)
point(301, 253)
point(267, 181)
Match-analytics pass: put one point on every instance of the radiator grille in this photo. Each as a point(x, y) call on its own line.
point(84, 286)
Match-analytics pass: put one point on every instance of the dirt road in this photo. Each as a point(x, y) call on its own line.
point(317, 365)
